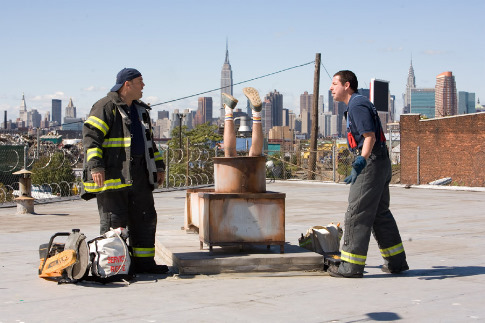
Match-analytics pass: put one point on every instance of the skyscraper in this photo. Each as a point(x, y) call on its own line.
point(292, 120)
point(392, 107)
point(267, 115)
point(204, 111)
point(226, 81)
point(56, 111)
point(276, 105)
point(163, 114)
point(45, 122)
point(445, 95)
point(70, 120)
point(70, 110)
point(423, 102)
point(33, 119)
point(306, 106)
point(23, 110)
point(305, 112)
point(286, 118)
point(466, 102)
point(411, 84)
point(189, 118)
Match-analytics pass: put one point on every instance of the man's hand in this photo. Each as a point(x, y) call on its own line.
point(160, 178)
point(357, 167)
point(98, 178)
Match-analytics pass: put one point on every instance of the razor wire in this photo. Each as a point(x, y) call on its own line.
point(185, 168)
point(188, 168)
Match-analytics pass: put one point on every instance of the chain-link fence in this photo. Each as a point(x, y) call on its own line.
point(185, 168)
point(333, 162)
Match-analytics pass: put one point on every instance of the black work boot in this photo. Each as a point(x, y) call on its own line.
point(392, 270)
point(150, 267)
point(344, 269)
point(333, 271)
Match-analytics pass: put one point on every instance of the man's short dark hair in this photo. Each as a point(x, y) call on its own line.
point(348, 76)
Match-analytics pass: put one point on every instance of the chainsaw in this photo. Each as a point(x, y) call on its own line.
point(67, 261)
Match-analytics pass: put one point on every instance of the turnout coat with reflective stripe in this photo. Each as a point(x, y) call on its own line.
point(107, 145)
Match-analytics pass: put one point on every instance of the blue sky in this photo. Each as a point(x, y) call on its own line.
point(74, 49)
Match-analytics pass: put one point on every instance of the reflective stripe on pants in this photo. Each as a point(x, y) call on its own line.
point(368, 212)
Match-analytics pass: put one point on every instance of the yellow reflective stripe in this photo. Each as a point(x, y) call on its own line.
point(143, 252)
point(392, 251)
point(110, 184)
point(158, 156)
point(94, 152)
point(352, 258)
point(117, 142)
point(98, 123)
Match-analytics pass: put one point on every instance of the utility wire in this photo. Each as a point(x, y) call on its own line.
point(255, 78)
point(190, 96)
point(327, 71)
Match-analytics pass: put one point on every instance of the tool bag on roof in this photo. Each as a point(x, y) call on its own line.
point(110, 256)
point(322, 239)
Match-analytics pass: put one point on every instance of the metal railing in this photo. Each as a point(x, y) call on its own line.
point(192, 167)
point(185, 168)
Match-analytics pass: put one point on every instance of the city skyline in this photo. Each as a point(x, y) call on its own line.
point(177, 60)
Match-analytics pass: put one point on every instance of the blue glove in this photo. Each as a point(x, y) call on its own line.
point(357, 167)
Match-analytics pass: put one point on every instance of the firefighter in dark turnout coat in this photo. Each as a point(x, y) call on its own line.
point(122, 166)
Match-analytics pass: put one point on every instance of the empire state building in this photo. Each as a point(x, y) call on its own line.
point(226, 81)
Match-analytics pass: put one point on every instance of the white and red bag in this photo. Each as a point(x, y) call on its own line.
point(110, 256)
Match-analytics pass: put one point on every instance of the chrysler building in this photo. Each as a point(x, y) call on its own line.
point(411, 84)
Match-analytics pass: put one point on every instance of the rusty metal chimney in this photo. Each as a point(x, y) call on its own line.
point(240, 174)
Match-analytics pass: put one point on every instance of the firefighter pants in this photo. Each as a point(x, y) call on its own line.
point(368, 212)
point(133, 209)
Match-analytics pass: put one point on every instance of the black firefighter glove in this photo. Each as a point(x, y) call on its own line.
point(357, 167)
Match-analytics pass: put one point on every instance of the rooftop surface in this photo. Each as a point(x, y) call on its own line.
point(442, 231)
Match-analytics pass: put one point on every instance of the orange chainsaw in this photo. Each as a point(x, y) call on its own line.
point(68, 261)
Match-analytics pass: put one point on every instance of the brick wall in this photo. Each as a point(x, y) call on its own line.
point(449, 147)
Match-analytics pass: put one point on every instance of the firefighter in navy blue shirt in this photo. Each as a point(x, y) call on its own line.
point(368, 211)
